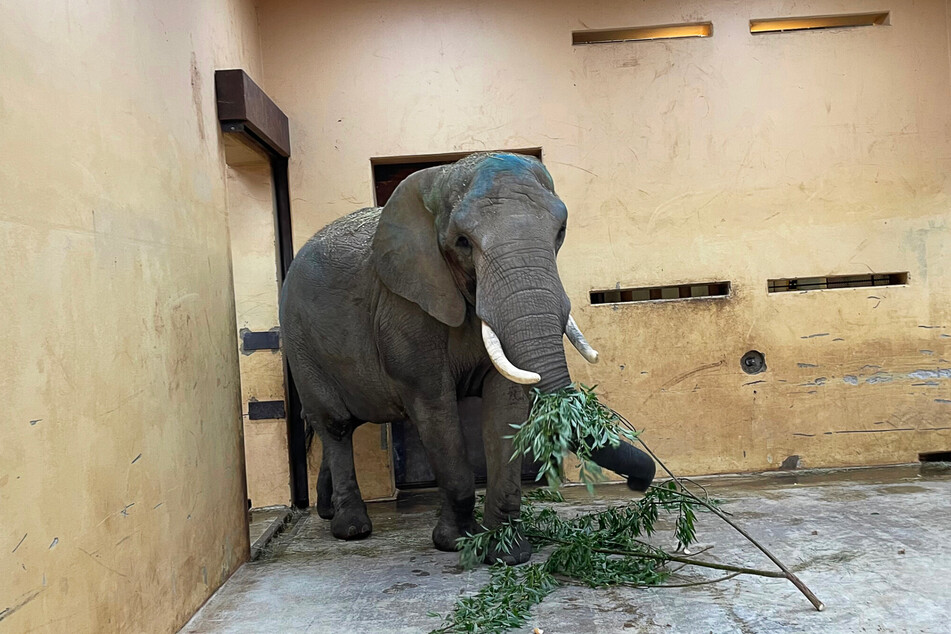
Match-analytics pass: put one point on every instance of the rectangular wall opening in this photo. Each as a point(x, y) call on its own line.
point(778, 25)
point(935, 456)
point(642, 33)
point(653, 293)
point(389, 171)
point(836, 281)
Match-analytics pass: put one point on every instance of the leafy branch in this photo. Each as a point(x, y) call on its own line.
point(606, 548)
point(571, 419)
point(787, 573)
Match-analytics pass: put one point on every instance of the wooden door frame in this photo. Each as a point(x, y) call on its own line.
point(244, 110)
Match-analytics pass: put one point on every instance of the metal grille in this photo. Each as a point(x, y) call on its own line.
point(652, 293)
point(836, 281)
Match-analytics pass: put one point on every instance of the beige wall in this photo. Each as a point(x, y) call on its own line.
point(122, 496)
point(734, 158)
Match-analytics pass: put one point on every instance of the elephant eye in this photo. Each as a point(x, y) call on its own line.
point(463, 242)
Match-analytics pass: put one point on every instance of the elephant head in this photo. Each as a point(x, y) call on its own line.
point(485, 232)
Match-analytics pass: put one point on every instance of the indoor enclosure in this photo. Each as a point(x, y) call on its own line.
point(757, 244)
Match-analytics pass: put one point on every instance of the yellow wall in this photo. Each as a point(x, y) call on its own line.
point(122, 496)
point(734, 158)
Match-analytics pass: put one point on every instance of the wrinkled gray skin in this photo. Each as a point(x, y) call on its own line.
point(380, 315)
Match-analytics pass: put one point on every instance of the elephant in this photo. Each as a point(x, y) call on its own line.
point(449, 290)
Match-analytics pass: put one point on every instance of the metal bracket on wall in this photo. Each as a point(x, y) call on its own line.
point(267, 340)
point(245, 110)
point(265, 410)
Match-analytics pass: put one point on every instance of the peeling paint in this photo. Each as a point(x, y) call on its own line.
point(851, 379)
point(818, 334)
point(940, 373)
point(880, 377)
point(807, 365)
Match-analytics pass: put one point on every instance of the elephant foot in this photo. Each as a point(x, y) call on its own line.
point(325, 491)
point(325, 508)
point(446, 533)
point(350, 523)
point(519, 552)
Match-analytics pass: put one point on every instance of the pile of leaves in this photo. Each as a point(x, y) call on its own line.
point(606, 548)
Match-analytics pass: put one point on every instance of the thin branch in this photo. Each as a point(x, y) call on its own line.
point(817, 604)
point(574, 582)
point(686, 493)
point(702, 550)
point(668, 557)
point(689, 584)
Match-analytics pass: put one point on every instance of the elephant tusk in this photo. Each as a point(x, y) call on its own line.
point(505, 367)
point(578, 341)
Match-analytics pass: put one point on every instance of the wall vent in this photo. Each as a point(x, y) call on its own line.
point(935, 456)
point(836, 281)
point(641, 33)
point(654, 293)
point(778, 25)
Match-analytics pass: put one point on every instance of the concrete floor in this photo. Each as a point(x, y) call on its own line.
point(265, 524)
point(871, 543)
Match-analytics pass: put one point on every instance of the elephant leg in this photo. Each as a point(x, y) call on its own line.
point(325, 505)
point(503, 404)
point(350, 519)
point(441, 435)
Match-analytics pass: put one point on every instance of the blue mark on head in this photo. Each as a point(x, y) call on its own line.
point(512, 162)
point(494, 164)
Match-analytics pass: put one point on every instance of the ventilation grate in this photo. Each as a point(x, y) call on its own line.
point(778, 25)
point(654, 293)
point(837, 281)
point(642, 33)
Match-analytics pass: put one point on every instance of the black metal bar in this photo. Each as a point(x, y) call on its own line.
point(296, 433)
point(267, 340)
point(265, 410)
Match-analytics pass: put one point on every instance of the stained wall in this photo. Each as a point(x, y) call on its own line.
point(122, 492)
point(733, 158)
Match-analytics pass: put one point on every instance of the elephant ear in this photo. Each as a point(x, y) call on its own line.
point(406, 252)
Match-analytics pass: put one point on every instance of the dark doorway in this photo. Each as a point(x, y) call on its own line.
point(411, 466)
point(389, 171)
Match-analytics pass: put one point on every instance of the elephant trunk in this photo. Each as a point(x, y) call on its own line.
point(524, 303)
point(520, 297)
